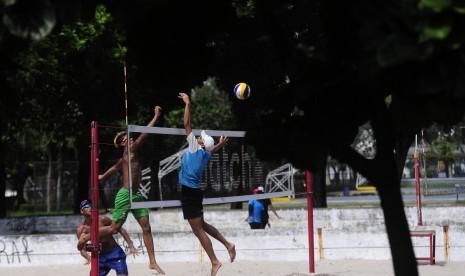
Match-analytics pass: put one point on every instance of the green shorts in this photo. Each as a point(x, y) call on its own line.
point(120, 214)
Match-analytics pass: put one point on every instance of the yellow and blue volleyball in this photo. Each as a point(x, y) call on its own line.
point(242, 91)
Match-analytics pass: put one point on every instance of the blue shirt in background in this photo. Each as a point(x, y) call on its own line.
point(257, 208)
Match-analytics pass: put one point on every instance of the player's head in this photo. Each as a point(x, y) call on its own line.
point(85, 206)
point(206, 141)
point(120, 140)
point(255, 190)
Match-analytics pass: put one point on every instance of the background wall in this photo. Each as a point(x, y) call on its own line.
point(345, 234)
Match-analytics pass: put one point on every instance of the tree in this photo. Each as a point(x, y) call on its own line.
point(319, 70)
point(24, 22)
point(384, 65)
point(58, 94)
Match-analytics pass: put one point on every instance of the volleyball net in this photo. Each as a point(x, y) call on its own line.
point(230, 175)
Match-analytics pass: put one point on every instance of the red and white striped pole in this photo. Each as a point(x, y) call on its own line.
point(125, 92)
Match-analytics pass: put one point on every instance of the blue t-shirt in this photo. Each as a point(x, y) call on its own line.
point(257, 208)
point(193, 162)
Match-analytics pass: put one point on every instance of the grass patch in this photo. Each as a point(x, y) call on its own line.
point(22, 213)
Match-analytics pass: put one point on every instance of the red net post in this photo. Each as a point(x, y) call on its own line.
point(311, 253)
point(94, 248)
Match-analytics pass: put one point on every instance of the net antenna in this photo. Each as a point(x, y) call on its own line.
point(238, 161)
point(128, 144)
point(125, 92)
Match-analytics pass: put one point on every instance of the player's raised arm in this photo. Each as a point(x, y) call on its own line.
point(222, 142)
point(187, 113)
point(114, 169)
point(143, 137)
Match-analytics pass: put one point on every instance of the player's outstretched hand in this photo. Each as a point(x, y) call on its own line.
point(134, 251)
point(223, 139)
point(157, 110)
point(184, 97)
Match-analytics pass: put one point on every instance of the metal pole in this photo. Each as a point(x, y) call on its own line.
point(311, 253)
point(94, 247)
point(417, 185)
point(446, 242)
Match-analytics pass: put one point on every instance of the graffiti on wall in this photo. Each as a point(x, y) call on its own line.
point(125, 246)
point(19, 251)
point(12, 252)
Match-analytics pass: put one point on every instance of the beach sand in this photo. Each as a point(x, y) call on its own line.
point(250, 268)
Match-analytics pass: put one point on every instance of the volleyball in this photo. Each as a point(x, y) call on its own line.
point(242, 91)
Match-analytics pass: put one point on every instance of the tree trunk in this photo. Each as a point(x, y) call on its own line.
point(60, 169)
point(383, 171)
point(397, 229)
point(319, 185)
point(83, 149)
point(391, 152)
point(49, 181)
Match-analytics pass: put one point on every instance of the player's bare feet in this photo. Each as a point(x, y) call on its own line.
point(157, 268)
point(232, 251)
point(216, 267)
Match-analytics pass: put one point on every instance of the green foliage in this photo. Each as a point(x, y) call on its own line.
point(435, 5)
point(59, 76)
point(440, 139)
point(442, 146)
point(210, 109)
point(438, 32)
point(244, 9)
point(446, 22)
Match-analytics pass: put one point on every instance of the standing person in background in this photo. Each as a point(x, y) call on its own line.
point(255, 212)
point(122, 201)
point(111, 255)
point(266, 204)
point(193, 163)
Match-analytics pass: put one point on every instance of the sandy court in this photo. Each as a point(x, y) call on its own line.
point(249, 268)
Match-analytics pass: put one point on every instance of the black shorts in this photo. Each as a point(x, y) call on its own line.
point(255, 225)
point(191, 202)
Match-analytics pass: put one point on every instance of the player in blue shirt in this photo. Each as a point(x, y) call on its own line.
point(255, 212)
point(193, 163)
